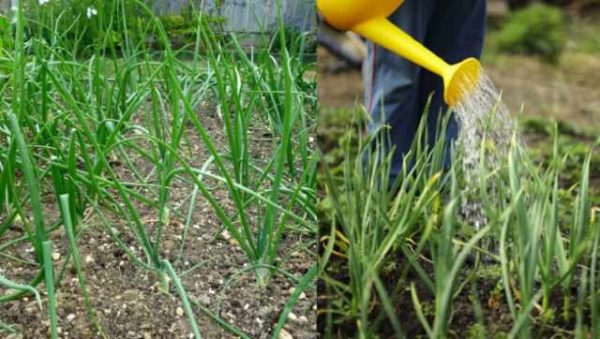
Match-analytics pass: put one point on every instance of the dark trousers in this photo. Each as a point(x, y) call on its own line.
point(397, 91)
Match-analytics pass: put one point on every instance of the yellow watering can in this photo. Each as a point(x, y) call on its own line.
point(369, 19)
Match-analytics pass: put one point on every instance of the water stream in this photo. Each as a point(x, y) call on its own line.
point(484, 120)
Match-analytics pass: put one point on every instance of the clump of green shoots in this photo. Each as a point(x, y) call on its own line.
point(415, 236)
point(66, 117)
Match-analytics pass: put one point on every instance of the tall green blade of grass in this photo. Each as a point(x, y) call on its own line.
point(582, 295)
point(594, 284)
point(18, 107)
point(9, 284)
point(579, 237)
point(69, 225)
point(49, 274)
point(308, 278)
point(184, 298)
point(32, 184)
point(448, 263)
point(267, 242)
point(7, 188)
point(525, 236)
point(552, 245)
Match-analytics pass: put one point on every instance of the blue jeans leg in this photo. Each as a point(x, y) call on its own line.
point(396, 91)
point(455, 32)
point(391, 83)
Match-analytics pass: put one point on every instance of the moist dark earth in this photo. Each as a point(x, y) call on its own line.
point(128, 299)
point(537, 94)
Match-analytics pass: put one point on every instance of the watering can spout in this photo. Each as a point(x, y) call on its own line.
point(460, 80)
point(369, 19)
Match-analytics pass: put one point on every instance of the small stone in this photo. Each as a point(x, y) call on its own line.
point(179, 311)
point(285, 335)
point(265, 311)
point(292, 316)
point(302, 296)
point(302, 319)
point(55, 256)
point(70, 317)
point(225, 235)
point(230, 316)
point(204, 299)
point(89, 259)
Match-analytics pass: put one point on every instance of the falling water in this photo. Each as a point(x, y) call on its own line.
point(484, 120)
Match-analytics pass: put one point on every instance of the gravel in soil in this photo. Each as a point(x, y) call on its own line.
point(129, 300)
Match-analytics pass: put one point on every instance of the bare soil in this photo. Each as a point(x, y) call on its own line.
point(128, 299)
point(338, 87)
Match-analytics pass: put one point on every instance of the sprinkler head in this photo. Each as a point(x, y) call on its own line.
point(461, 80)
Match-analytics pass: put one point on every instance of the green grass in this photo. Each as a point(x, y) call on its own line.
point(580, 34)
point(407, 263)
point(65, 117)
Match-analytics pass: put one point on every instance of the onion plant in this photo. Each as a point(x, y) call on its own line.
point(109, 128)
point(382, 246)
